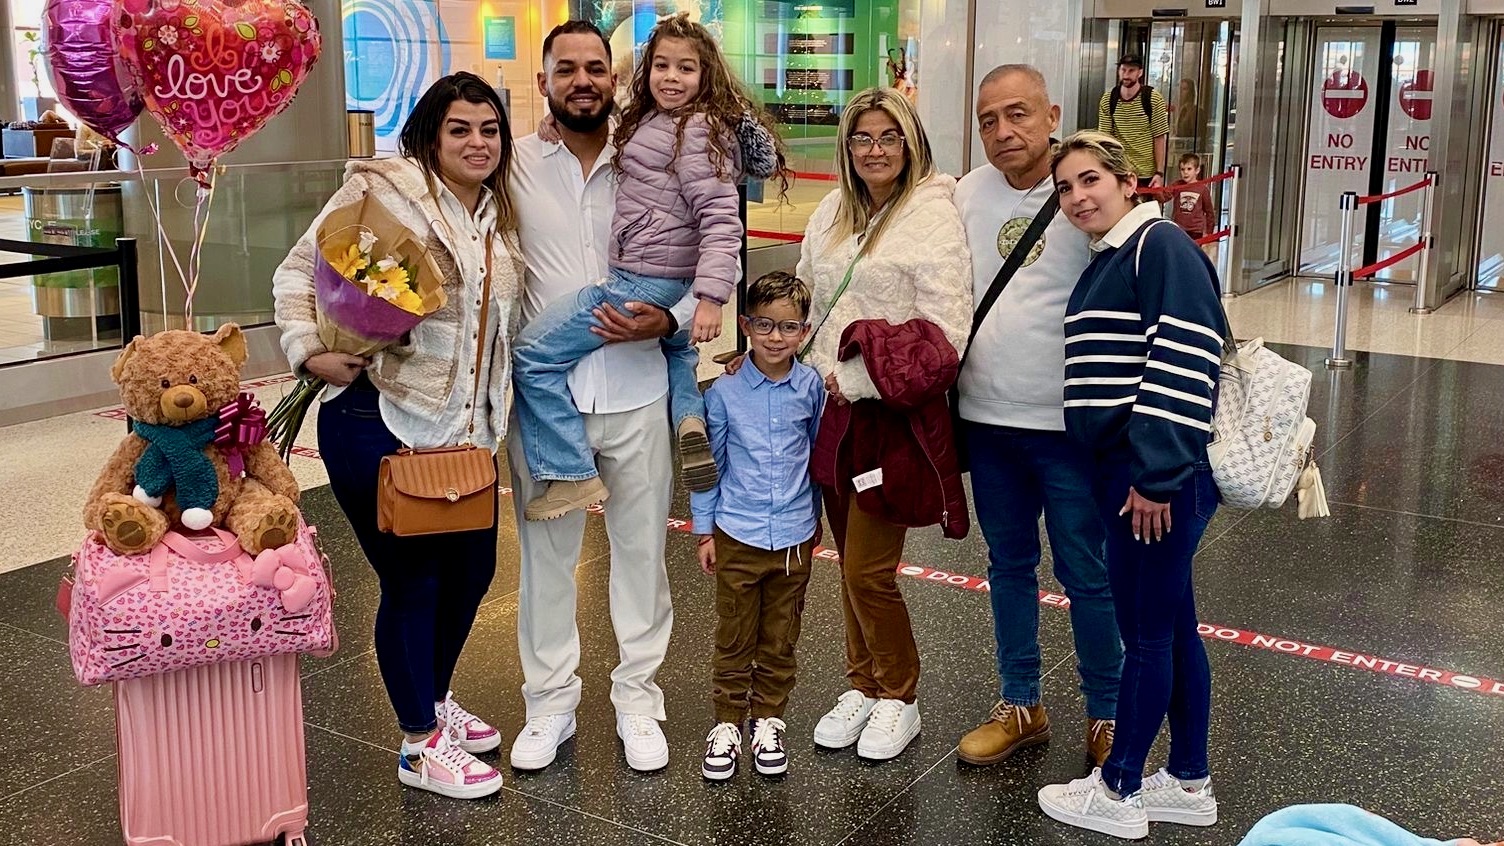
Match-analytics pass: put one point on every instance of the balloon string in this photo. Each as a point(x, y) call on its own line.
point(204, 199)
point(156, 214)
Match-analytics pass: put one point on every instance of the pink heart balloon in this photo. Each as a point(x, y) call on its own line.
point(212, 72)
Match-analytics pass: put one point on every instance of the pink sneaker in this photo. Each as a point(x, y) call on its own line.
point(469, 732)
point(448, 770)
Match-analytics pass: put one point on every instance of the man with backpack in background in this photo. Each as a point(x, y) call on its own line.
point(1135, 114)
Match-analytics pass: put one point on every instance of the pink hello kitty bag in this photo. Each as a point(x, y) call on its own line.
point(196, 599)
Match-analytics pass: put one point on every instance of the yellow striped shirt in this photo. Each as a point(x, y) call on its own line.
point(1129, 124)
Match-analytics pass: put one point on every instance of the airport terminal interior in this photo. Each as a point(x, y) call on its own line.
point(1356, 659)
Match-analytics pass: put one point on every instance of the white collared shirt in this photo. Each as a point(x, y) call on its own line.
point(565, 219)
point(1121, 231)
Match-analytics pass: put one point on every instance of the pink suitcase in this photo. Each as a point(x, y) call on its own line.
point(213, 755)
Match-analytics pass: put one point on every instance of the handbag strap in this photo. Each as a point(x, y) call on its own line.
point(1229, 344)
point(809, 344)
point(1011, 265)
point(176, 542)
point(480, 343)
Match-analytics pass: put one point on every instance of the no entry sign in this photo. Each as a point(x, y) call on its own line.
point(1415, 96)
point(1345, 93)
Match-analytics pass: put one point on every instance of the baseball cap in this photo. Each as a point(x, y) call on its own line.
point(1131, 59)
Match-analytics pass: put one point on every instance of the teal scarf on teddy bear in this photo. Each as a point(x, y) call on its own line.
point(175, 456)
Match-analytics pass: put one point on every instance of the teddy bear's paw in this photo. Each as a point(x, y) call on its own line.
point(278, 528)
point(130, 527)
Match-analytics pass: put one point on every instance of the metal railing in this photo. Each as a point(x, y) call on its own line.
point(1345, 276)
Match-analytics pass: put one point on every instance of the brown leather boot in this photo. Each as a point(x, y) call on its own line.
point(1008, 729)
point(1099, 740)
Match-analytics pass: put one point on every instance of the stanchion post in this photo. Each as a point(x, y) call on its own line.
point(1343, 279)
point(1225, 251)
point(1427, 241)
point(130, 297)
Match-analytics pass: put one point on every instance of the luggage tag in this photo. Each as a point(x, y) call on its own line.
point(868, 480)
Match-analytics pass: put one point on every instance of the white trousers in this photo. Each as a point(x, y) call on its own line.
point(633, 454)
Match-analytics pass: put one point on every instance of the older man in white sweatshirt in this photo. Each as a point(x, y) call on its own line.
point(1011, 402)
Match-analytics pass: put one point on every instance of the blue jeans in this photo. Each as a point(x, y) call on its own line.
point(552, 431)
point(1164, 669)
point(1015, 475)
point(431, 586)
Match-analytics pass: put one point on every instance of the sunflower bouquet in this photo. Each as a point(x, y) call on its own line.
point(373, 282)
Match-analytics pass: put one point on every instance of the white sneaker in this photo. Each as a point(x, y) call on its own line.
point(1167, 800)
point(446, 769)
point(643, 741)
point(890, 727)
point(843, 724)
point(1084, 803)
point(538, 743)
point(723, 746)
point(468, 731)
point(768, 752)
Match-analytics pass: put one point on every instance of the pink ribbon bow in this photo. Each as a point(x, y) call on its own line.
point(242, 425)
point(285, 570)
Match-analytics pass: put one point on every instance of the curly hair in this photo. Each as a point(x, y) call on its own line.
point(722, 99)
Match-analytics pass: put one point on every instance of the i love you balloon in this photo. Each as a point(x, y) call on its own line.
point(214, 72)
point(86, 71)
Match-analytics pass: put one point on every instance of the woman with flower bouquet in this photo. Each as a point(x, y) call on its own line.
point(401, 299)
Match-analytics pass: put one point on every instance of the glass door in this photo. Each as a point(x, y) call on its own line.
point(1339, 140)
point(1491, 230)
point(1407, 144)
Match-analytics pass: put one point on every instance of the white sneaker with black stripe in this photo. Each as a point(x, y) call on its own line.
point(1167, 799)
point(768, 753)
point(723, 746)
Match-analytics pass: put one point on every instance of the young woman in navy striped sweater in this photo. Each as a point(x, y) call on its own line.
point(1143, 338)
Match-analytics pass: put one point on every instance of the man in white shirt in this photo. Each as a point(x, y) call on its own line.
point(1012, 408)
point(565, 196)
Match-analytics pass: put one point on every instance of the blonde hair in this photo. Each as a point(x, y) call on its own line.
point(1107, 150)
point(855, 213)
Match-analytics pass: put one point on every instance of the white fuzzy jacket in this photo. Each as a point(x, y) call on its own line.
point(422, 376)
point(921, 268)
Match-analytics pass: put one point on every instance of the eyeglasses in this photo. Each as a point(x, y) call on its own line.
point(765, 326)
point(890, 142)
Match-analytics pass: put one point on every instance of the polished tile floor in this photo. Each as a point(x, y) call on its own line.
point(1355, 659)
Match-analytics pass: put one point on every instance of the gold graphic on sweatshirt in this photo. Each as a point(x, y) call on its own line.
point(1009, 235)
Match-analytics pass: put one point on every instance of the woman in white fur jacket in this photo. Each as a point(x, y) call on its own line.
point(449, 187)
point(888, 245)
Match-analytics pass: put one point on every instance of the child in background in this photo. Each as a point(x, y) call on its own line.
point(757, 526)
point(676, 229)
point(1192, 208)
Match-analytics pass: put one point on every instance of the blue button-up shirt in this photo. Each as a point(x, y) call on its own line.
point(761, 432)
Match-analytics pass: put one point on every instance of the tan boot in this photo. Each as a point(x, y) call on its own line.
point(696, 463)
point(1099, 740)
point(1008, 729)
point(560, 498)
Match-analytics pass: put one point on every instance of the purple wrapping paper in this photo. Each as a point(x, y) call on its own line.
point(356, 315)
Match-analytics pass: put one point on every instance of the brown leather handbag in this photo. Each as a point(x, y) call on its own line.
point(443, 489)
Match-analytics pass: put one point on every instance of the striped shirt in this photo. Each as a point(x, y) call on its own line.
point(1143, 350)
point(1136, 130)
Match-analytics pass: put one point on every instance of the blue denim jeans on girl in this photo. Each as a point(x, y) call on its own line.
point(1165, 671)
point(552, 431)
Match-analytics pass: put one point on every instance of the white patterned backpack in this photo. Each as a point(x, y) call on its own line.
point(1261, 437)
point(1261, 447)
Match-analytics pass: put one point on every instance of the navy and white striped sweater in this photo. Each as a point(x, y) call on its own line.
point(1142, 352)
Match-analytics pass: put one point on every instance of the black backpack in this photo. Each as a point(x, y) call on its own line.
point(1144, 93)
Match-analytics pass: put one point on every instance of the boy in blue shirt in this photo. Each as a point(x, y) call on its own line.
point(757, 527)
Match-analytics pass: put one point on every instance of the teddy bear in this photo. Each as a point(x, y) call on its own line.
point(176, 468)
